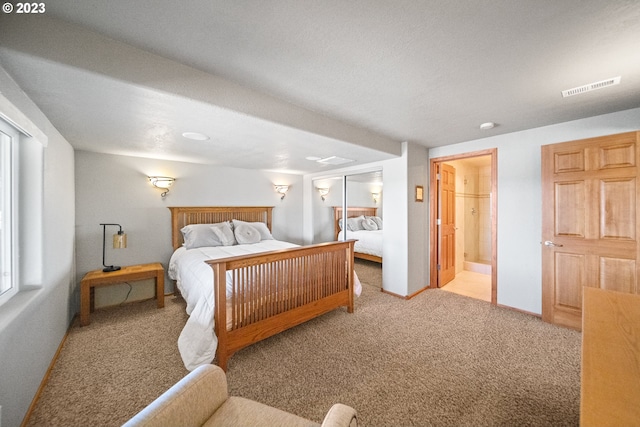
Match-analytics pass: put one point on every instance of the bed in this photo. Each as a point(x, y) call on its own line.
point(368, 242)
point(240, 294)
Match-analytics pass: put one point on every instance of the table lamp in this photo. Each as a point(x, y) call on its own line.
point(119, 242)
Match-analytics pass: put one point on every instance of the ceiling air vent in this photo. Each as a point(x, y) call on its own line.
point(591, 86)
point(334, 160)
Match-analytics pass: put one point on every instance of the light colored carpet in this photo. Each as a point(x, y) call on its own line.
point(438, 359)
point(369, 272)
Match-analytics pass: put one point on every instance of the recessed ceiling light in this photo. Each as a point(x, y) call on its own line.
point(196, 136)
point(487, 126)
point(313, 158)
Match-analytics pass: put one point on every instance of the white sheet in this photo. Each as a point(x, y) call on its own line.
point(194, 277)
point(369, 242)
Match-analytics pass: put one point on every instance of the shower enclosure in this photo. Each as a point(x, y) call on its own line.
point(473, 214)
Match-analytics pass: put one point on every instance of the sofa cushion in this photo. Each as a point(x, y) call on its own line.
point(238, 411)
point(201, 399)
point(341, 415)
point(189, 403)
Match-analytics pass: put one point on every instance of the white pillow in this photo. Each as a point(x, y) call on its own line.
point(246, 234)
point(377, 220)
point(355, 223)
point(199, 235)
point(262, 228)
point(224, 233)
point(369, 224)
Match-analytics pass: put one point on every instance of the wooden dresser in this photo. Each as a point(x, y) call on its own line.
point(610, 383)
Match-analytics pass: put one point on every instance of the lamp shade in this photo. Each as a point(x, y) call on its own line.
point(162, 182)
point(282, 190)
point(323, 193)
point(119, 240)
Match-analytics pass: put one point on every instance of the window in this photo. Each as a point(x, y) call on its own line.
point(8, 181)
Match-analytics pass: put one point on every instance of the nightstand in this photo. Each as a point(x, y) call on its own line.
point(127, 274)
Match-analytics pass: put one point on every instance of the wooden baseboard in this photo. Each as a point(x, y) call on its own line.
point(367, 257)
point(392, 294)
point(47, 374)
point(406, 297)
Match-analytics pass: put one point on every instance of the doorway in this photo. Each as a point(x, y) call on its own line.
point(463, 225)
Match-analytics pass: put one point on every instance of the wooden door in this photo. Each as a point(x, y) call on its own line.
point(447, 188)
point(590, 200)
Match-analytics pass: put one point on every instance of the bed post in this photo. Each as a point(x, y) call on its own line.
point(269, 218)
point(350, 265)
point(175, 228)
point(220, 312)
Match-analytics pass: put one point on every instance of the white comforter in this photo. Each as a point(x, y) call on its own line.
point(194, 277)
point(369, 242)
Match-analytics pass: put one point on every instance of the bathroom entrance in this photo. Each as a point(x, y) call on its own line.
point(463, 237)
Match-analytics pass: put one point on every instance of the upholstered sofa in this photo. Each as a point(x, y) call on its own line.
point(201, 399)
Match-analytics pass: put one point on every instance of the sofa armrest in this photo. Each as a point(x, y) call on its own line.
point(340, 416)
point(189, 403)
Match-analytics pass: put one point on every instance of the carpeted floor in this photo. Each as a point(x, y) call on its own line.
point(369, 272)
point(438, 359)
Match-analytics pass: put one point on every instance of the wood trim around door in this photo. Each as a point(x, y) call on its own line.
point(433, 216)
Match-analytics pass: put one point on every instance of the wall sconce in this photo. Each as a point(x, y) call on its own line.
point(162, 182)
point(281, 189)
point(376, 197)
point(119, 242)
point(323, 193)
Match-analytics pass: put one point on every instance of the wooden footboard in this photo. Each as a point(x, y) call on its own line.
point(270, 292)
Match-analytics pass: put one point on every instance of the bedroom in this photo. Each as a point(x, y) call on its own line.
point(83, 189)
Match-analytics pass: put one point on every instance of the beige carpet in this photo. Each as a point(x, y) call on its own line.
point(439, 359)
point(369, 272)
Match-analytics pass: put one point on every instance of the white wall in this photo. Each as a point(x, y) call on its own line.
point(322, 211)
point(395, 262)
point(359, 194)
point(519, 198)
point(115, 189)
point(33, 323)
point(417, 219)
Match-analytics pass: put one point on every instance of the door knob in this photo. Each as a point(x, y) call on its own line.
point(550, 243)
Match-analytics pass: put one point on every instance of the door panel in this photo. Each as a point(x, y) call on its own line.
point(618, 209)
point(618, 275)
point(569, 280)
point(447, 224)
point(570, 222)
point(590, 227)
point(617, 156)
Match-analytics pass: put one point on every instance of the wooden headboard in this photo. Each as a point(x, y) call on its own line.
point(351, 212)
point(181, 216)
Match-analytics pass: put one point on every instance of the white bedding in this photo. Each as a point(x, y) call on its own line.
point(194, 277)
point(369, 242)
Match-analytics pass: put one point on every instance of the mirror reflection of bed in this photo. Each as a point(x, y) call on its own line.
point(364, 198)
point(364, 225)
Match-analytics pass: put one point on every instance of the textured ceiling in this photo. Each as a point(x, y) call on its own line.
point(273, 82)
